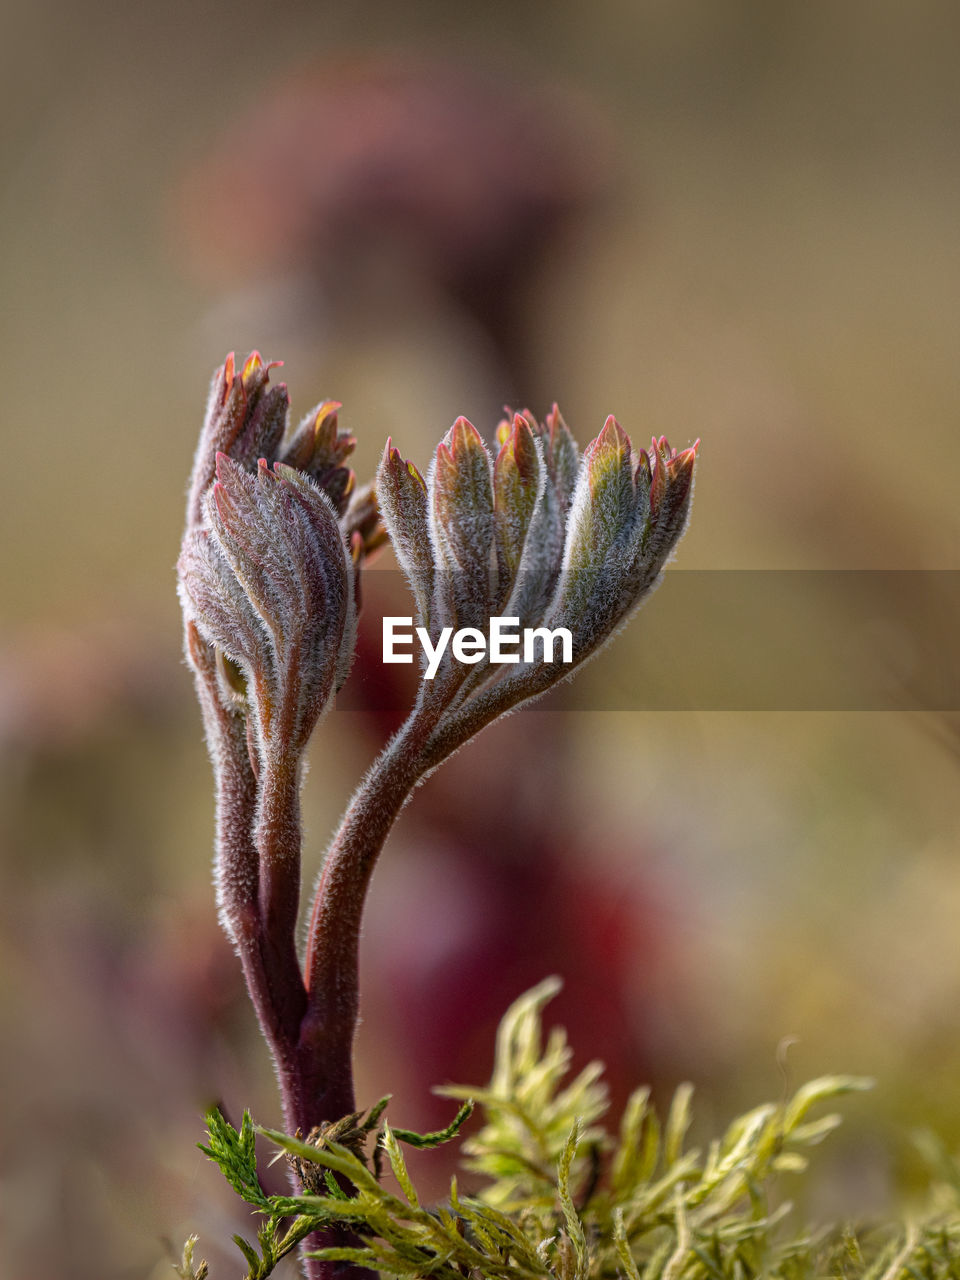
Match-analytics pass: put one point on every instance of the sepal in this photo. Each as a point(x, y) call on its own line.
point(402, 496)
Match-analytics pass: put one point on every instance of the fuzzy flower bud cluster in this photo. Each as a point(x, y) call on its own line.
point(538, 534)
point(268, 564)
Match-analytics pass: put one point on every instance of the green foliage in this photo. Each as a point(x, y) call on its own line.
point(185, 1268)
point(529, 1115)
point(234, 1153)
point(562, 1199)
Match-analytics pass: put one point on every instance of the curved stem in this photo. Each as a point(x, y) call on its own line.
point(325, 1049)
point(328, 1027)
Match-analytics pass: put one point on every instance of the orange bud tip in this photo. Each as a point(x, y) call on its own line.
point(686, 457)
point(612, 435)
point(463, 432)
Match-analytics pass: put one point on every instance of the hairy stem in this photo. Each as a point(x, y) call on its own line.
point(325, 1050)
point(277, 835)
point(270, 969)
point(258, 873)
point(257, 855)
point(327, 1030)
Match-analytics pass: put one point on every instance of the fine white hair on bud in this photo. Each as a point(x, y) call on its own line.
point(279, 540)
point(460, 512)
point(402, 494)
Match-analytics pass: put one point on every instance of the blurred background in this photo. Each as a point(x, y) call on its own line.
point(737, 222)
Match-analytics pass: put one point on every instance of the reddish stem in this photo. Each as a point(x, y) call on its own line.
point(261, 909)
point(332, 960)
point(325, 1050)
point(310, 1027)
point(277, 836)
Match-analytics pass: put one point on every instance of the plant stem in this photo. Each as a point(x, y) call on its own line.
point(325, 1050)
point(328, 1027)
point(258, 875)
point(277, 836)
point(267, 952)
point(258, 855)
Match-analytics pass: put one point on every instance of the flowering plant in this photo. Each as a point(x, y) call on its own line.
point(269, 576)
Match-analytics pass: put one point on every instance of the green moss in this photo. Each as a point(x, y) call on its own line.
point(564, 1199)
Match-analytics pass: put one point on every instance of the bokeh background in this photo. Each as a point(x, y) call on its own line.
point(733, 221)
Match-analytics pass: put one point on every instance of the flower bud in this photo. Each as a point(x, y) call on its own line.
point(402, 495)
point(318, 449)
point(460, 485)
point(671, 487)
point(543, 550)
point(268, 582)
point(245, 419)
point(518, 479)
point(626, 517)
